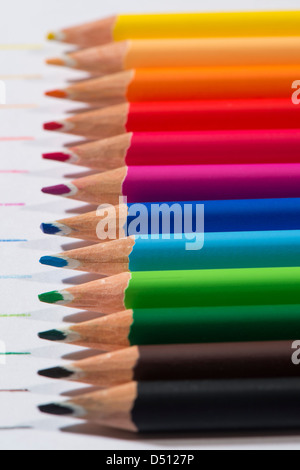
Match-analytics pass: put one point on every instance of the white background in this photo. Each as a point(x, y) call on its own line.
point(27, 21)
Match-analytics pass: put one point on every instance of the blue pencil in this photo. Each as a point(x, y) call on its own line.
point(219, 216)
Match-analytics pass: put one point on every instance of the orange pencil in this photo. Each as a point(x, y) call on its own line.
point(171, 84)
point(126, 55)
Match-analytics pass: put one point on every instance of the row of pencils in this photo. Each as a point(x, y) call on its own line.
point(187, 113)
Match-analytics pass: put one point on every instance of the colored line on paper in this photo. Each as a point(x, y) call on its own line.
point(14, 391)
point(24, 76)
point(16, 428)
point(12, 139)
point(15, 276)
point(15, 354)
point(18, 106)
point(12, 204)
point(16, 315)
point(20, 47)
point(13, 240)
point(16, 172)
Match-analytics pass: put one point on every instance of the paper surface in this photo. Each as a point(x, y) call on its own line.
point(22, 209)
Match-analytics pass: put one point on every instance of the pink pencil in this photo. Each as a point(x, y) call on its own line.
point(186, 148)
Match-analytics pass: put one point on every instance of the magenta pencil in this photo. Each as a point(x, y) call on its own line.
point(211, 182)
point(185, 183)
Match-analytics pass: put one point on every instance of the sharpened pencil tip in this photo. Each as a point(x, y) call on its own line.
point(56, 373)
point(55, 61)
point(56, 228)
point(57, 94)
point(55, 409)
point(58, 190)
point(52, 126)
point(54, 261)
point(50, 229)
point(51, 36)
point(51, 297)
point(53, 335)
point(57, 156)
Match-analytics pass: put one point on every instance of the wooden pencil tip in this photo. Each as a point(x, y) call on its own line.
point(57, 94)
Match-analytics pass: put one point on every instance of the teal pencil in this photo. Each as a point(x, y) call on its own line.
point(188, 252)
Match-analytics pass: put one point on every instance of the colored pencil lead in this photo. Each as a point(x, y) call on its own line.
point(51, 36)
point(56, 297)
point(56, 373)
point(56, 228)
point(56, 61)
point(64, 61)
point(53, 126)
point(57, 94)
point(61, 190)
point(57, 410)
point(61, 157)
point(53, 335)
point(54, 261)
point(60, 261)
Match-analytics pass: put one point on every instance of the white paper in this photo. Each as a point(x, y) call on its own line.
point(23, 208)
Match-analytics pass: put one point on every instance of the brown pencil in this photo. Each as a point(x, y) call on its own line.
point(181, 362)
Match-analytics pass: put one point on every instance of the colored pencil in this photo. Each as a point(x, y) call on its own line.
point(185, 148)
point(126, 55)
point(171, 289)
point(222, 324)
point(184, 183)
point(204, 405)
point(181, 116)
point(220, 250)
point(186, 25)
point(181, 362)
point(219, 216)
point(171, 84)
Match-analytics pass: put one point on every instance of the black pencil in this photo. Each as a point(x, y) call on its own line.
point(186, 406)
